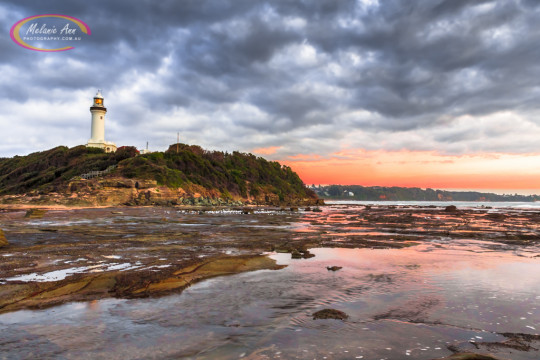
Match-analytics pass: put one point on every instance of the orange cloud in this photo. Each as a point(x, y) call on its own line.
point(421, 169)
point(266, 151)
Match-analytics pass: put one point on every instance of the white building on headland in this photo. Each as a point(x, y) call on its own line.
point(145, 151)
point(97, 138)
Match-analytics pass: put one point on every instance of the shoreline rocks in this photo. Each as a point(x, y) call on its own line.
point(301, 254)
point(119, 191)
point(334, 268)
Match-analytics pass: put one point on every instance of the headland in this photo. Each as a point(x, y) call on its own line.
point(183, 175)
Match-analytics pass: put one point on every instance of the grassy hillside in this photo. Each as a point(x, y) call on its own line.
point(46, 170)
point(231, 173)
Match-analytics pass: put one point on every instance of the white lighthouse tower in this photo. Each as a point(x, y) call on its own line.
point(97, 138)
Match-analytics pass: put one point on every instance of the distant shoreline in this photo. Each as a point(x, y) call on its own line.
point(396, 193)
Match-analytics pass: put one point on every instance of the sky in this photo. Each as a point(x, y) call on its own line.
point(439, 93)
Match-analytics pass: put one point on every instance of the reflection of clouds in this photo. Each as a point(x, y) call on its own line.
point(93, 305)
point(498, 274)
point(429, 269)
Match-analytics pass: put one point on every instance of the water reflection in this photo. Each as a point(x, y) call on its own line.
point(408, 302)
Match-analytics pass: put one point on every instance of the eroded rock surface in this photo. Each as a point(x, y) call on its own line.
point(3, 240)
point(82, 254)
point(120, 191)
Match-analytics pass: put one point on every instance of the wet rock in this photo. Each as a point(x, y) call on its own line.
point(307, 209)
point(301, 254)
point(3, 240)
point(521, 237)
point(496, 216)
point(117, 212)
point(469, 356)
point(294, 209)
point(330, 314)
point(35, 213)
point(284, 247)
point(450, 208)
point(514, 341)
point(48, 230)
point(334, 268)
point(521, 337)
point(247, 211)
point(317, 209)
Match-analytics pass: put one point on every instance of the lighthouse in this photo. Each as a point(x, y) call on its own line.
point(97, 138)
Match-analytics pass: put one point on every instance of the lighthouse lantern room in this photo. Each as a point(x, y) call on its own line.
point(97, 138)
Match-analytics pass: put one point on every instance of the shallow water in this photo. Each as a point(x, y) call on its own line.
point(402, 303)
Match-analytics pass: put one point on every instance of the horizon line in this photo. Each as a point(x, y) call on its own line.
point(511, 192)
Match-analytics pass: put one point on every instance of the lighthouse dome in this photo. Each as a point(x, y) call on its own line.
point(98, 95)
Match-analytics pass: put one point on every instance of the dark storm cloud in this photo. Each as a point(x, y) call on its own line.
point(288, 67)
point(288, 104)
point(218, 53)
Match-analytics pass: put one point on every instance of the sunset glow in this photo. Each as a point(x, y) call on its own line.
point(424, 169)
point(266, 151)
